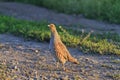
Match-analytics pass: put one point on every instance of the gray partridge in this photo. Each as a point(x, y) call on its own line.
point(58, 49)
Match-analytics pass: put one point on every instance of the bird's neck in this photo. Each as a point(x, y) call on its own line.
point(55, 35)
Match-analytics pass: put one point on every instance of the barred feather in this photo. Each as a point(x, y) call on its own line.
point(59, 48)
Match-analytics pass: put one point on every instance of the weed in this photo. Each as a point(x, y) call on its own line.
point(77, 77)
point(107, 66)
point(117, 61)
point(4, 72)
point(114, 76)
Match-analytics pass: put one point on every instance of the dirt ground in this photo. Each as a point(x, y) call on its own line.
point(30, 12)
point(27, 60)
point(30, 60)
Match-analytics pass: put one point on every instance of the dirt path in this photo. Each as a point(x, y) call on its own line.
point(30, 12)
point(24, 59)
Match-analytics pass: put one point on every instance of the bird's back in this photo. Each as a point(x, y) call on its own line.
point(62, 53)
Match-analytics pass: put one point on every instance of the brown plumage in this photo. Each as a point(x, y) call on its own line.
point(58, 49)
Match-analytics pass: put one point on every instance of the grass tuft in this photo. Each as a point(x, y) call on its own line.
point(86, 42)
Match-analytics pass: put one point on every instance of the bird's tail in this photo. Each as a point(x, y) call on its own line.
point(72, 59)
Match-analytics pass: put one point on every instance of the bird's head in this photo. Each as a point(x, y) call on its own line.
point(52, 27)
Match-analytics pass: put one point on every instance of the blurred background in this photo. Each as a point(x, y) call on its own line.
point(105, 10)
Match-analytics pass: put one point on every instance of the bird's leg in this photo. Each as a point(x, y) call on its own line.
point(63, 67)
point(57, 64)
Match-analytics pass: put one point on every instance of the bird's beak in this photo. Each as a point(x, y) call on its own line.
point(48, 25)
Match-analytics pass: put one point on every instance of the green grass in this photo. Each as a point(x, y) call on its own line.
point(88, 43)
point(107, 10)
point(117, 61)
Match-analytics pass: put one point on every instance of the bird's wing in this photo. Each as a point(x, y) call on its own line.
point(61, 50)
point(63, 54)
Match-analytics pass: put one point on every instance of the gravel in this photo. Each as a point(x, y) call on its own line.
point(23, 62)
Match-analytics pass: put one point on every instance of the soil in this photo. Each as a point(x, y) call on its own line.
point(31, 60)
point(26, 58)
